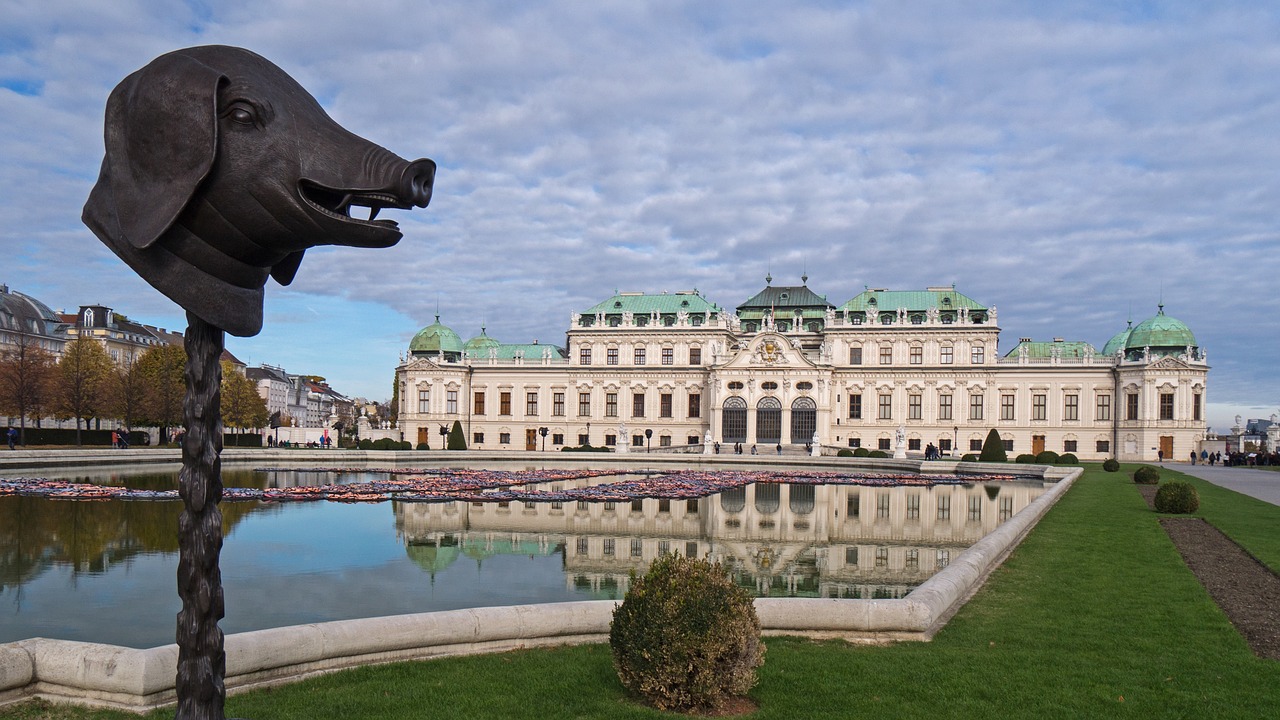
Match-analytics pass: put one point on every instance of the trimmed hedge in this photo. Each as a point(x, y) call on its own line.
point(1068, 459)
point(1178, 498)
point(861, 452)
point(969, 457)
point(1111, 465)
point(1047, 457)
point(845, 452)
point(60, 436)
point(585, 448)
point(877, 454)
point(1025, 459)
point(686, 636)
point(993, 448)
point(1146, 475)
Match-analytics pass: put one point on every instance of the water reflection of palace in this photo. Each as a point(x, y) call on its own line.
point(837, 541)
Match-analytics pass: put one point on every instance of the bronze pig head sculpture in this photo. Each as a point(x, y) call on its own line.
point(221, 170)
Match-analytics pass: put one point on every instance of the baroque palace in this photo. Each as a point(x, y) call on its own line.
point(789, 371)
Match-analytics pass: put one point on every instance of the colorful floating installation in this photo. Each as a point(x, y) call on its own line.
point(449, 485)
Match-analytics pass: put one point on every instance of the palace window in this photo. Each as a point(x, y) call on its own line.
point(668, 356)
point(695, 356)
point(451, 402)
point(855, 355)
point(1069, 446)
point(913, 406)
point(424, 401)
point(1071, 407)
point(886, 407)
point(1039, 407)
point(1131, 406)
point(944, 507)
point(975, 508)
point(478, 403)
point(975, 445)
point(504, 403)
point(855, 407)
point(695, 405)
point(584, 356)
point(1007, 407)
point(557, 439)
point(977, 355)
point(975, 409)
point(611, 356)
point(504, 438)
point(637, 404)
point(1195, 406)
point(477, 438)
point(1103, 407)
point(640, 355)
point(611, 404)
point(664, 405)
point(944, 407)
point(883, 444)
point(947, 354)
point(886, 354)
point(584, 404)
point(557, 404)
point(1166, 406)
point(913, 506)
point(917, 355)
point(531, 403)
point(1103, 446)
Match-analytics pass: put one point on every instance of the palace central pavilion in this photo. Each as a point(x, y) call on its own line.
point(788, 369)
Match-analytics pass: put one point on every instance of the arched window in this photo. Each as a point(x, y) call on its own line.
point(769, 421)
point(804, 420)
point(734, 500)
point(800, 499)
point(768, 498)
point(733, 428)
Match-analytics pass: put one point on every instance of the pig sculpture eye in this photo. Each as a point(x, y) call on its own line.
point(241, 114)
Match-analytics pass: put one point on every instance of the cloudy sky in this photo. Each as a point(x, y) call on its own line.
point(1071, 163)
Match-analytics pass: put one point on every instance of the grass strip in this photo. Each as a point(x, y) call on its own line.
point(1094, 616)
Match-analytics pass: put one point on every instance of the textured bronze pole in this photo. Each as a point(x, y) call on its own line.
point(201, 659)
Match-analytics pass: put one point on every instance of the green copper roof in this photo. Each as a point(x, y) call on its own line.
point(786, 297)
point(665, 303)
point(436, 338)
point(528, 351)
point(1064, 348)
point(1160, 331)
point(1117, 343)
point(912, 300)
point(479, 345)
point(432, 558)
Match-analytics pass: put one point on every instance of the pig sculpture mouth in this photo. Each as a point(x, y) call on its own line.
point(338, 204)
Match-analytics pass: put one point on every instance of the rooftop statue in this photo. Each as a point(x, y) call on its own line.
point(221, 170)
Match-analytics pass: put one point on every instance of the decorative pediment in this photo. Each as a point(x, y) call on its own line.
point(768, 350)
point(1169, 363)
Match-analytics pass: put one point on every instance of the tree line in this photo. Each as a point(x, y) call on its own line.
point(85, 385)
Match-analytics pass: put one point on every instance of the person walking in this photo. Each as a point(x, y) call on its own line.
point(12, 436)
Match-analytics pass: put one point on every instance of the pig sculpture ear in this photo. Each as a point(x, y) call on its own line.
point(161, 138)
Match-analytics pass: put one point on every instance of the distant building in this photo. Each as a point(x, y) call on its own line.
point(310, 403)
point(24, 319)
point(790, 368)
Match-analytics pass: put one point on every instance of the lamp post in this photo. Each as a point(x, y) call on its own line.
point(588, 433)
point(648, 440)
point(955, 440)
point(543, 432)
point(444, 433)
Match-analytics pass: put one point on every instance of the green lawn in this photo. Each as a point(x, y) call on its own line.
point(1094, 616)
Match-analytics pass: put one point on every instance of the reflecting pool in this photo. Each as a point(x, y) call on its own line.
point(104, 570)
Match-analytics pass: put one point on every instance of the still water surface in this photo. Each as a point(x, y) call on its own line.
point(104, 571)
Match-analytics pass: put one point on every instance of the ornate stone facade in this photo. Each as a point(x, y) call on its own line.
point(663, 372)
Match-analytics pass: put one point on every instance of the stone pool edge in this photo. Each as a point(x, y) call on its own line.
point(136, 680)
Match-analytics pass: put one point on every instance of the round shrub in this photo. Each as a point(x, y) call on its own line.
point(1047, 457)
point(861, 452)
point(1068, 459)
point(1026, 459)
point(365, 444)
point(1178, 498)
point(1111, 465)
point(384, 444)
point(969, 457)
point(877, 454)
point(686, 637)
point(1146, 475)
point(423, 446)
point(845, 452)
